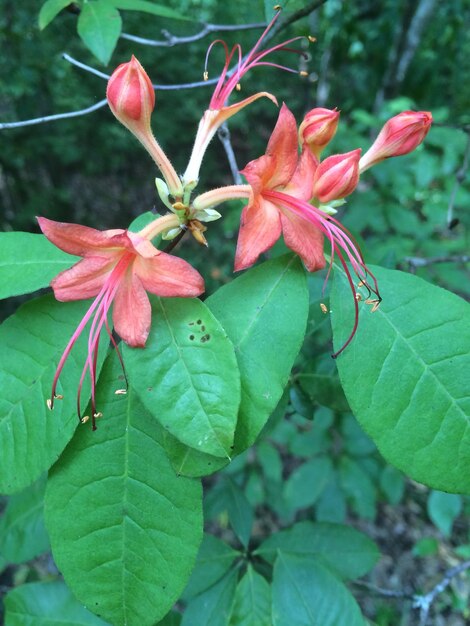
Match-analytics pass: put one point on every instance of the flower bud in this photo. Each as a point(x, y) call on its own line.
point(400, 135)
point(337, 176)
point(318, 128)
point(131, 96)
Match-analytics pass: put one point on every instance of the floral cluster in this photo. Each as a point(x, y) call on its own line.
point(290, 190)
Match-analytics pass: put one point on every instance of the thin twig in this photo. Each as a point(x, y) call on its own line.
point(224, 135)
point(172, 40)
point(423, 603)
point(52, 118)
point(415, 261)
point(459, 178)
point(386, 593)
point(294, 17)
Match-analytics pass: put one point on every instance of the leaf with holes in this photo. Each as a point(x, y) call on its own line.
point(264, 312)
point(31, 344)
point(405, 376)
point(99, 26)
point(28, 263)
point(187, 376)
point(124, 529)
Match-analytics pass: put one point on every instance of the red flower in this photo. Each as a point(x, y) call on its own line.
point(118, 267)
point(263, 219)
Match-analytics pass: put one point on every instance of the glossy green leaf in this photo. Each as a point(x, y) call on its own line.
point(49, 10)
point(345, 550)
point(264, 312)
point(28, 263)
point(171, 619)
point(325, 390)
point(43, 604)
point(187, 461)
point(307, 593)
point(22, 532)
point(406, 376)
point(252, 601)
point(187, 376)
point(99, 26)
point(443, 509)
point(305, 484)
point(31, 344)
point(214, 559)
point(148, 7)
point(124, 529)
point(214, 606)
point(240, 513)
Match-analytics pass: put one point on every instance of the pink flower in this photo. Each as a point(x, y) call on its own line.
point(400, 135)
point(318, 129)
point(118, 267)
point(336, 176)
point(264, 218)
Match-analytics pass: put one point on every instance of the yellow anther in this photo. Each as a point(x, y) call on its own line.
point(85, 419)
point(311, 39)
point(120, 392)
point(277, 7)
point(375, 304)
point(58, 396)
point(323, 307)
point(361, 283)
point(97, 415)
point(206, 75)
point(303, 73)
point(179, 206)
point(358, 297)
point(49, 404)
point(238, 87)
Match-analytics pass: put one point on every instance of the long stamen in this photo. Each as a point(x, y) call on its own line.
point(339, 237)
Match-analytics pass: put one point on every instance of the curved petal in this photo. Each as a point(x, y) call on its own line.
point(132, 311)
point(259, 172)
point(282, 146)
point(142, 246)
point(80, 240)
point(301, 184)
point(260, 228)
point(305, 239)
point(84, 280)
point(169, 276)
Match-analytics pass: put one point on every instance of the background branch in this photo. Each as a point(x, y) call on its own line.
point(224, 135)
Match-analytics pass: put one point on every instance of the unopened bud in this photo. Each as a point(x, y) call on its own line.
point(337, 176)
point(131, 96)
point(318, 128)
point(400, 135)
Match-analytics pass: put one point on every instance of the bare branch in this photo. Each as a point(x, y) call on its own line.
point(423, 603)
point(172, 40)
point(294, 17)
point(386, 593)
point(224, 135)
point(52, 118)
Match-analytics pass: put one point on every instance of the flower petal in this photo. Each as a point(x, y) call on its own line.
point(169, 276)
point(84, 280)
point(305, 239)
point(260, 228)
point(282, 146)
point(77, 239)
point(259, 172)
point(301, 184)
point(132, 311)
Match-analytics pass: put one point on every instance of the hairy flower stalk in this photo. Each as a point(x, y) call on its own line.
point(218, 111)
point(118, 268)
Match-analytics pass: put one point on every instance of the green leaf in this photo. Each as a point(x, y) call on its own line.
point(252, 601)
point(214, 559)
point(392, 484)
point(187, 461)
point(99, 26)
point(239, 510)
point(345, 550)
point(331, 505)
point(443, 509)
point(324, 390)
point(406, 376)
point(171, 619)
point(31, 344)
point(124, 528)
point(358, 487)
point(214, 606)
point(308, 594)
point(49, 10)
point(187, 376)
point(43, 604)
point(28, 263)
point(148, 7)
point(22, 532)
point(305, 484)
point(264, 312)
